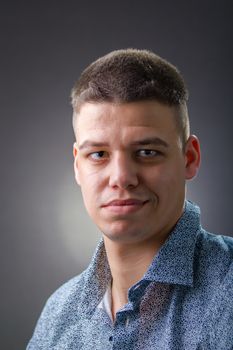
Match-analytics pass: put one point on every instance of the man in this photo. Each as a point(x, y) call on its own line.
point(157, 279)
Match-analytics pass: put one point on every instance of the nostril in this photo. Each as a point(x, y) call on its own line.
point(123, 179)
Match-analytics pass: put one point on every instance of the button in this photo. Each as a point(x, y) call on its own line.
point(110, 338)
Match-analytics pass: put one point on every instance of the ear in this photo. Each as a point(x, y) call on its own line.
point(192, 157)
point(75, 154)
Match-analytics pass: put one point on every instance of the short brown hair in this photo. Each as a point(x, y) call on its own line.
point(133, 75)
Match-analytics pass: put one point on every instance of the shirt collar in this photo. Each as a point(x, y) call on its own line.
point(173, 264)
point(174, 261)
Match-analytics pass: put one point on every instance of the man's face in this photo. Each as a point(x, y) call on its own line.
point(131, 168)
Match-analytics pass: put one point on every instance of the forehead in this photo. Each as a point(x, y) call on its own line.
point(125, 120)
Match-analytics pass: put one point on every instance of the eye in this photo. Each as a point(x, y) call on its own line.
point(147, 153)
point(98, 155)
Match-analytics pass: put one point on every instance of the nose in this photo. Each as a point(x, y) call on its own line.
point(123, 173)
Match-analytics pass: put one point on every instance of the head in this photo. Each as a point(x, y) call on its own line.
point(133, 152)
point(131, 75)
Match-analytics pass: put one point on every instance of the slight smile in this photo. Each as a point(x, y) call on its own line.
point(125, 206)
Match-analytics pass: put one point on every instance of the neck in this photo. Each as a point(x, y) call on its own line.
point(128, 263)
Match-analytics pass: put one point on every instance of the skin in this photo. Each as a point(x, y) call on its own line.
point(132, 169)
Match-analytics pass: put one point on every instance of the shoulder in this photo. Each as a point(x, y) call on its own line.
point(69, 291)
point(216, 265)
point(64, 299)
point(58, 312)
point(213, 260)
point(215, 246)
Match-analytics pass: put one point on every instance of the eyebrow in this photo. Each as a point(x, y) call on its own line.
point(88, 143)
point(151, 141)
point(144, 142)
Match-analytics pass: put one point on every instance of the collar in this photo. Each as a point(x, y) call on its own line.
point(173, 264)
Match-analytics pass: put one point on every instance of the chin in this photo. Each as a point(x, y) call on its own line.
point(121, 232)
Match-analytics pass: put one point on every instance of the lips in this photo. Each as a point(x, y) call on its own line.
point(125, 202)
point(122, 207)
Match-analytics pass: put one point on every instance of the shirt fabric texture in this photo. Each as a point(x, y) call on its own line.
point(183, 302)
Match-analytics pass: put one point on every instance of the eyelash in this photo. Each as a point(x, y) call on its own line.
point(91, 155)
point(152, 154)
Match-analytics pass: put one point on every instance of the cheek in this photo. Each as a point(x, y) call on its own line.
point(92, 189)
point(166, 178)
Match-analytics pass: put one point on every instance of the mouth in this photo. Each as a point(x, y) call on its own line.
point(125, 206)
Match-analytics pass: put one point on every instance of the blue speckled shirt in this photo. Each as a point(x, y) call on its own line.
point(183, 302)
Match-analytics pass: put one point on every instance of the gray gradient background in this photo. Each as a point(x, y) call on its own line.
point(46, 236)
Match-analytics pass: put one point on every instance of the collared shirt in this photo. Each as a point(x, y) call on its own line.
point(183, 302)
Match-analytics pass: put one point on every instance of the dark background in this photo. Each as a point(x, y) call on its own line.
point(46, 237)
